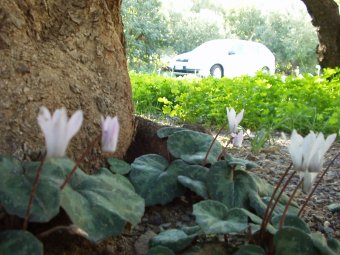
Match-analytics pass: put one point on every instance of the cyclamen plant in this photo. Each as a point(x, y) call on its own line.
point(35, 191)
point(236, 139)
point(307, 156)
point(58, 131)
point(230, 192)
point(234, 199)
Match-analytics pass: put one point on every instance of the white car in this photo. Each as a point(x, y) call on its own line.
point(225, 57)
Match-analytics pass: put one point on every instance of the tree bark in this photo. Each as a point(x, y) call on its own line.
point(326, 19)
point(59, 53)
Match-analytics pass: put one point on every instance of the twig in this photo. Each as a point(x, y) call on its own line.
point(33, 191)
point(72, 229)
point(316, 185)
point(87, 151)
point(283, 217)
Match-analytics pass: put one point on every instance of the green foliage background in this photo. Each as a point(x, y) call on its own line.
point(306, 103)
point(155, 31)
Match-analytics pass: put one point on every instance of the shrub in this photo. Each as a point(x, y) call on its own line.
point(301, 103)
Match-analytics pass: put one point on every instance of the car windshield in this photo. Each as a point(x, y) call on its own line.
point(214, 46)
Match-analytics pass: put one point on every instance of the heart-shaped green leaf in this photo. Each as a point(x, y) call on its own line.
point(206, 248)
point(325, 247)
point(18, 242)
point(98, 204)
point(292, 221)
point(16, 186)
point(160, 250)
point(167, 131)
point(334, 208)
point(231, 187)
point(250, 249)
point(291, 240)
point(334, 244)
point(198, 187)
point(174, 239)
point(240, 162)
point(192, 147)
point(265, 189)
point(156, 181)
point(215, 218)
point(119, 166)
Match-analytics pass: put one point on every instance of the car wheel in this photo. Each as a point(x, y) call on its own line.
point(216, 71)
point(265, 70)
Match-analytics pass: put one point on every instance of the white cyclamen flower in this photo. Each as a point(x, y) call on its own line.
point(110, 134)
point(58, 130)
point(233, 119)
point(237, 139)
point(308, 155)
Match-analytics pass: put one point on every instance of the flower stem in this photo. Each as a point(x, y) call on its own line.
point(33, 191)
point(265, 221)
point(288, 204)
point(316, 185)
point(212, 143)
point(224, 149)
point(81, 159)
point(278, 198)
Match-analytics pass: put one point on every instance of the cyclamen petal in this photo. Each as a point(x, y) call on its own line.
point(308, 181)
point(327, 144)
point(110, 134)
point(308, 155)
point(238, 139)
point(233, 119)
point(74, 124)
point(239, 117)
point(308, 147)
point(294, 149)
point(57, 130)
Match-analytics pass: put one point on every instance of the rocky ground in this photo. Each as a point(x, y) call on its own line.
point(273, 161)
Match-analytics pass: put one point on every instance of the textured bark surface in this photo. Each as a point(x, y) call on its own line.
point(326, 19)
point(62, 53)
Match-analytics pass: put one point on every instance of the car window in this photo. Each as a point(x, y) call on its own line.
point(235, 49)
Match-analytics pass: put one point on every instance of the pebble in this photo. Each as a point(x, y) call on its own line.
point(142, 244)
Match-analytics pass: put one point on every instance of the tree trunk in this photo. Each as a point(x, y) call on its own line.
point(326, 19)
point(62, 53)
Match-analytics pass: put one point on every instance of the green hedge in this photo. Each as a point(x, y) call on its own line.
point(304, 103)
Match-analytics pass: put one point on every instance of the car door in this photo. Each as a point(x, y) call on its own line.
point(233, 65)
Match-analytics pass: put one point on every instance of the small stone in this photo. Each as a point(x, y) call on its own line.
point(23, 69)
point(142, 243)
point(155, 219)
point(165, 226)
point(80, 3)
point(109, 250)
point(185, 218)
